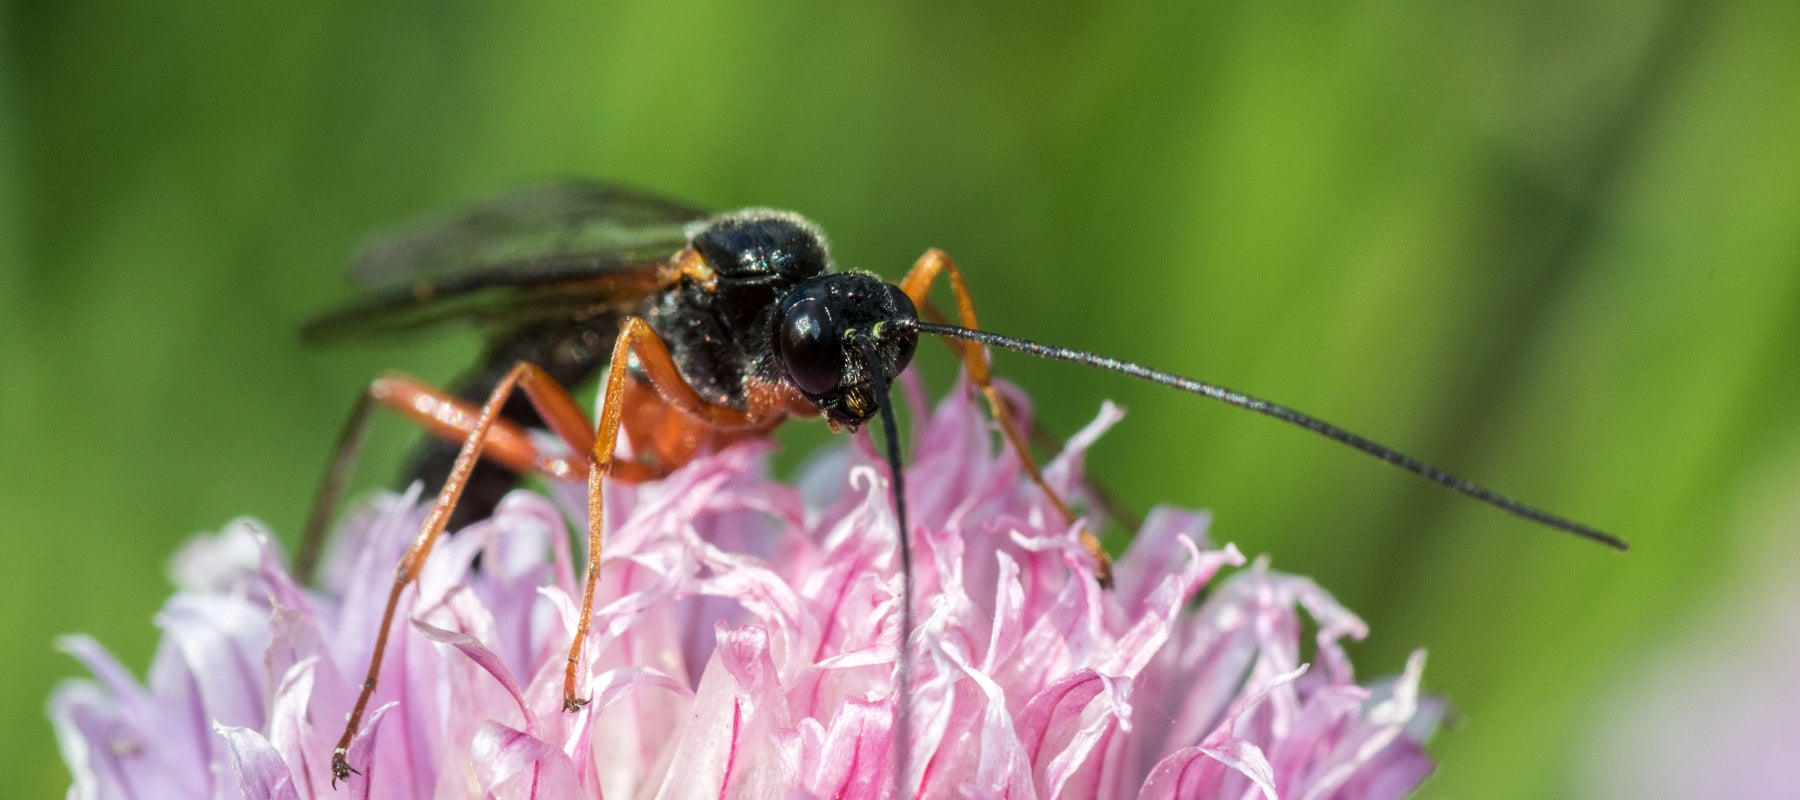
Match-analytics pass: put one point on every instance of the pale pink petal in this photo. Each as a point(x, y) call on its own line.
point(1247, 760)
point(111, 757)
point(211, 656)
point(512, 765)
point(484, 658)
point(638, 726)
point(1000, 761)
point(359, 567)
point(1063, 724)
point(1065, 472)
point(291, 734)
point(738, 742)
point(1343, 751)
point(1059, 638)
point(1181, 774)
point(948, 473)
point(1156, 544)
point(1156, 616)
point(854, 760)
point(382, 766)
point(1186, 773)
point(261, 774)
point(222, 563)
point(294, 639)
point(129, 702)
point(1008, 629)
point(765, 595)
point(946, 754)
point(767, 759)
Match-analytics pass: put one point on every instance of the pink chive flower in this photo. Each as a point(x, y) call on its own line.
point(744, 645)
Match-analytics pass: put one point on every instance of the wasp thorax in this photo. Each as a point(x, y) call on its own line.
point(762, 242)
point(816, 341)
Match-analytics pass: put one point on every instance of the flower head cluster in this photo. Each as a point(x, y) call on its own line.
point(744, 644)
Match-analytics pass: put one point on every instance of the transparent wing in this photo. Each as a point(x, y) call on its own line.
point(545, 231)
point(563, 250)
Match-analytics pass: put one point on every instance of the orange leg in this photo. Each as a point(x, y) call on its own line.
point(917, 285)
point(453, 418)
point(484, 433)
point(545, 394)
point(655, 363)
point(447, 417)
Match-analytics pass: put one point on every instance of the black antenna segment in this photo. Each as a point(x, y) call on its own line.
point(1284, 414)
point(903, 666)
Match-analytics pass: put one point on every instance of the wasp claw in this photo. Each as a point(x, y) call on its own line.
point(341, 769)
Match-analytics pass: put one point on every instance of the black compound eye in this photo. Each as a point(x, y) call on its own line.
point(903, 305)
point(809, 348)
point(904, 313)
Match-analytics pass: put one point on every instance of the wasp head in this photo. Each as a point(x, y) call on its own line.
point(816, 341)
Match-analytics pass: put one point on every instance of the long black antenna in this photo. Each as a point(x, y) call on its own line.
point(1284, 414)
point(902, 667)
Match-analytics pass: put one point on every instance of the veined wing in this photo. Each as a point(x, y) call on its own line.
point(554, 251)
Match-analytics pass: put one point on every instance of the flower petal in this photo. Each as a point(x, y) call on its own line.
point(737, 742)
point(855, 759)
point(110, 757)
point(1063, 725)
point(382, 765)
point(484, 658)
point(261, 774)
point(512, 765)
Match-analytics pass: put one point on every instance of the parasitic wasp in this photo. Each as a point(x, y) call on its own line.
point(710, 328)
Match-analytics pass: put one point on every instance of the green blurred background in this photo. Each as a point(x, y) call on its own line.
point(1552, 246)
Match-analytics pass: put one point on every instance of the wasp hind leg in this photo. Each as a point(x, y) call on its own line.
point(443, 415)
point(484, 434)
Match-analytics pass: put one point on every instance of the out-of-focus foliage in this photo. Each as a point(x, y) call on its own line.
point(1554, 247)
